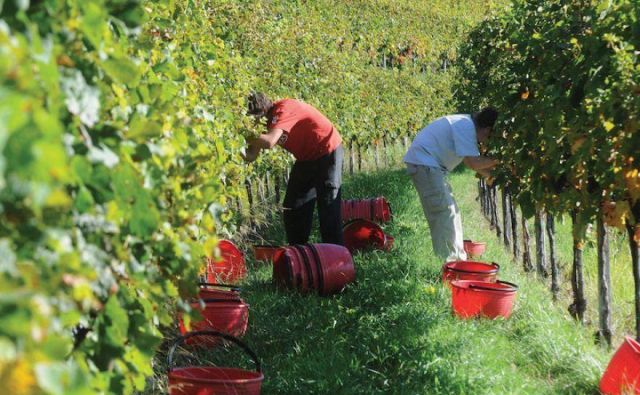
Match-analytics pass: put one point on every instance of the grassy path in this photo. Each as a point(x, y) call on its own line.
point(393, 332)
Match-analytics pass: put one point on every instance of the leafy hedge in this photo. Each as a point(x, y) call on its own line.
point(119, 153)
point(566, 78)
point(121, 129)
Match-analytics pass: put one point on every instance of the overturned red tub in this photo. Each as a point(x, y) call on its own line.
point(322, 268)
point(362, 234)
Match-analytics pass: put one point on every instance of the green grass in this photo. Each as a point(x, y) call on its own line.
point(393, 331)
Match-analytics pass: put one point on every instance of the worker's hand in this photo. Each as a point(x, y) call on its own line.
point(252, 153)
point(490, 180)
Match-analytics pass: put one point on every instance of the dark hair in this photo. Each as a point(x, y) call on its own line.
point(258, 104)
point(487, 117)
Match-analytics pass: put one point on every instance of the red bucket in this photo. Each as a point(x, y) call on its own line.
point(622, 376)
point(230, 316)
point(326, 268)
point(474, 249)
point(265, 252)
point(336, 265)
point(218, 291)
point(360, 234)
point(470, 270)
point(477, 298)
point(203, 380)
point(375, 209)
point(230, 268)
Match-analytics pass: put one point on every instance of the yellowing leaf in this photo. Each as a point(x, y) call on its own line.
point(608, 125)
point(58, 198)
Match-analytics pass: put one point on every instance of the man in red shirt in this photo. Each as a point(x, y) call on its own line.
point(317, 173)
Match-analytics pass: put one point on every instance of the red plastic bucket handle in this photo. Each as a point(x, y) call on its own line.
point(471, 271)
point(230, 338)
point(476, 286)
point(231, 287)
point(217, 300)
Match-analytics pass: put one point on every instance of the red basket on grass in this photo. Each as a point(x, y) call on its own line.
point(218, 291)
point(375, 209)
point(230, 268)
point(265, 252)
point(325, 268)
point(482, 299)
point(230, 316)
point(474, 249)
point(360, 234)
point(470, 270)
point(622, 376)
point(213, 380)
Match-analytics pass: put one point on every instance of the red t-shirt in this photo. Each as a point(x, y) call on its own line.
point(308, 134)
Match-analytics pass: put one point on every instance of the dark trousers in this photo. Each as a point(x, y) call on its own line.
point(310, 181)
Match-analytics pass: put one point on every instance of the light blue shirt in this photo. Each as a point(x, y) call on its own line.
point(444, 143)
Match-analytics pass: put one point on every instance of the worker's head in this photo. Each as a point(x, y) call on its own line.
point(258, 104)
point(484, 120)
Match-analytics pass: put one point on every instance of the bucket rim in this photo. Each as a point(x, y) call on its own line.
point(206, 285)
point(474, 242)
point(267, 246)
point(492, 271)
point(211, 302)
point(474, 285)
point(364, 220)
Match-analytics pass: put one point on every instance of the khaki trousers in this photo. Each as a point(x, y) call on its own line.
point(441, 211)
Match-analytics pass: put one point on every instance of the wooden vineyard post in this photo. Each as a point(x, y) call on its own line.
point(494, 211)
point(250, 200)
point(526, 251)
point(376, 156)
point(604, 283)
point(579, 305)
point(491, 201)
point(486, 196)
point(480, 197)
point(541, 257)
point(248, 186)
point(239, 208)
point(635, 259)
point(262, 196)
point(506, 219)
point(553, 261)
point(514, 227)
point(385, 154)
point(352, 157)
point(483, 198)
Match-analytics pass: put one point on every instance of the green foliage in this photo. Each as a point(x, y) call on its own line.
point(566, 80)
point(121, 134)
point(118, 130)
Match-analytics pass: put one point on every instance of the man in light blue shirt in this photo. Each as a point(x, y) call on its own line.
point(436, 150)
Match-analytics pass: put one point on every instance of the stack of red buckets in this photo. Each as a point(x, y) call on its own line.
point(225, 315)
point(220, 305)
point(322, 268)
point(475, 288)
point(374, 209)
